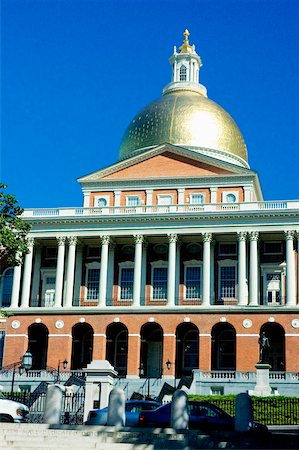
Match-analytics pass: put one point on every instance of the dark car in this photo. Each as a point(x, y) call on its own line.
point(132, 409)
point(202, 415)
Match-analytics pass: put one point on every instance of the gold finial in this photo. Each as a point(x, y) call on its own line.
point(186, 47)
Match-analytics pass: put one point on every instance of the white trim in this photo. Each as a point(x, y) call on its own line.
point(133, 335)
point(88, 266)
point(204, 334)
point(124, 265)
point(228, 263)
point(193, 263)
point(245, 335)
point(291, 335)
point(169, 335)
point(60, 335)
point(16, 335)
point(192, 194)
point(272, 268)
point(99, 335)
point(160, 196)
point(156, 265)
point(226, 193)
point(133, 196)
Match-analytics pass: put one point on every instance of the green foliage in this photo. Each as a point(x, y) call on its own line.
point(274, 410)
point(13, 229)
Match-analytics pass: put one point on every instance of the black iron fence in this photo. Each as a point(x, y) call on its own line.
point(267, 410)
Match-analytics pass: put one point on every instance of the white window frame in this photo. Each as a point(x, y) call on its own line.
point(88, 266)
point(2, 280)
point(124, 265)
point(226, 193)
point(99, 197)
point(48, 273)
point(157, 265)
point(192, 263)
point(228, 263)
point(133, 196)
point(197, 194)
point(161, 196)
point(269, 269)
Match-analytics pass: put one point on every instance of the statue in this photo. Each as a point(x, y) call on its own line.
point(264, 348)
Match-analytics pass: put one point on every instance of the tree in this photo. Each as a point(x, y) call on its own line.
point(13, 229)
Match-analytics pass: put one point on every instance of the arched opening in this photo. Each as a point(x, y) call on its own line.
point(38, 345)
point(117, 347)
point(82, 348)
point(276, 335)
point(183, 73)
point(223, 347)
point(187, 349)
point(151, 350)
point(6, 287)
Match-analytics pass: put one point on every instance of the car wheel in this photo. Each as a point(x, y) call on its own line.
point(4, 418)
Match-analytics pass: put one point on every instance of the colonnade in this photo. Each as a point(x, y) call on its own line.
point(250, 298)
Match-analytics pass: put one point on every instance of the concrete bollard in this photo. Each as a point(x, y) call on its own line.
point(116, 408)
point(54, 404)
point(179, 411)
point(244, 412)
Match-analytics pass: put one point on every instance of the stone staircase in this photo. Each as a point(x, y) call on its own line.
point(67, 437)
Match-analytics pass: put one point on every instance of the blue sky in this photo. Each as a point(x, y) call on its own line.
point(75, 72)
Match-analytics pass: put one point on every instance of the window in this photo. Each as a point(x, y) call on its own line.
point(231, 198)
point(183, 73)
point(6, 287)
point(93, 252)
point(196, 199)
point(132, 200)
point(102, 202)
point(2, 339)
point(92, 283)
point(217, 390)
point(227, 288)
point(126, 283)
point(227, 248)
point(192, 282)
point(159, 283)
point(273, 248)
point(51, 252)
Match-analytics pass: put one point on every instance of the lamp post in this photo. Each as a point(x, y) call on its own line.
point(168, 365)
point(141, 374)
point(24, 365)
point(64, 363)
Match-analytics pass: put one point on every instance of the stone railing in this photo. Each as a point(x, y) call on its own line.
point(237, 376)
point(161, 209)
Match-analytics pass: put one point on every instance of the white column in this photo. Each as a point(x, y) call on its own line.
point(86, 200)
point(290, 260)
point(104, 270)
point(70, 271)
point(213, 192)
point(247, 193)
point(149, 197)
point(172, 239)
point(110, 279)
point(143, 273)
point(181, 196)
point(59, 271)
point(253, 272)
point(36, 276)
point(207, 238)
point(242, 287)
point(117, 198)
point(178, 271)
point(16, 283)
point(137, 269)
point(298, 267)
point(175, 71)
point(212, 267)
point(27, 275)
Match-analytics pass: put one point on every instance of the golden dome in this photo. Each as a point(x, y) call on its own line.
point(187, 119)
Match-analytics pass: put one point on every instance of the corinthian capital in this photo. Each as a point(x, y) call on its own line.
point(207, 237)
point(172, 238)
point(30, 242)
point(105, 239)
point(242, 235)
point(72, 240)
point(61, 240)
point(138, 238)
point(254, 235)
point(289, 235)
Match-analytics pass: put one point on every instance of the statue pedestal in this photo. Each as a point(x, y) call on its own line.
point(262, 387)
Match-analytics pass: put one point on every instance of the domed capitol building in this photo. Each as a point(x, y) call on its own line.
point(173, 266)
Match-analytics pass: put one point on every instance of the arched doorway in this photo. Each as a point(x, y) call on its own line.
point(187, 349)
point(151, 350)
point(117, 347)
point(38, 345)
point(276, 335)
point(223, 347)
point(82, 348)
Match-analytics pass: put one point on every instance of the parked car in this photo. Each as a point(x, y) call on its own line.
point(132, 409)
point(11, 411)
point(202, 415)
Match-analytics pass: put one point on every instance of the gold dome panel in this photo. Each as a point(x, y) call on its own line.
point(187, 119)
